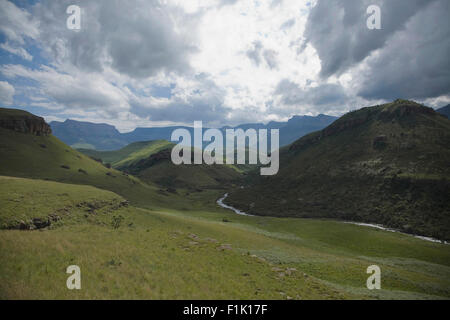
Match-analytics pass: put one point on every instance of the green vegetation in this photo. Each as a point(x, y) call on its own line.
point(127, 252)
point(25, 200)
point(385, 164)
point(159, 169)
point(176, 243)
point(47, 158)
point(129, 154)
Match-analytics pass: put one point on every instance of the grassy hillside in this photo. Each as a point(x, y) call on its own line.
point(130, 154)
point(386, 164)
point(33, 204)
point(47, 158)
point(159, 169)
point(179, 244)
point(193, 254)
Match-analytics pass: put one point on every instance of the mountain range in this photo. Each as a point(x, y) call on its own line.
point(104, 137)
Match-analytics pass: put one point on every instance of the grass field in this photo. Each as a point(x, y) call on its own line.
point(194, 254)
point(134, 240)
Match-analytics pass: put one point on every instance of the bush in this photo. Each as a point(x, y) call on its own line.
point(116, 221)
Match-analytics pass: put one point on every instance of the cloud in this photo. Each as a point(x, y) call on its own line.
point(323, 97)
point(254, 53)
point(415, 62)
point(138, 39)
point(6, 93)
point(407, 58)
point(258, 54)
point(221, 61)
point(338, 31)
point(77, 92)
point(18, 51)
point(227, 2)
point(288, 24)
point(17, 24)
point(198, 99)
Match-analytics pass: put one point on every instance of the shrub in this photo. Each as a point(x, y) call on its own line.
point(116, 221)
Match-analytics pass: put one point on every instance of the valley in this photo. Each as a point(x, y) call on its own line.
point(153, 230)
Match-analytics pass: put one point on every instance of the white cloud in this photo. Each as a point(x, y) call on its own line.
point(78, 91)
point(17, 24)
point(6, 93)
point(18, 51)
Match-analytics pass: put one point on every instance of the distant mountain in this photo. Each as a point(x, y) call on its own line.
point(299, 126)
point(445, 111)
point(386, 164)
point(155, 133)
point(85, 135)
point(88, 135)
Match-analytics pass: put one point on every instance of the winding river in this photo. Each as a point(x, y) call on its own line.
point(237, 211)
point(377, 226)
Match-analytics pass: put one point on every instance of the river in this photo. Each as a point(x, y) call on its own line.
point(377, 226)
point(237, 211)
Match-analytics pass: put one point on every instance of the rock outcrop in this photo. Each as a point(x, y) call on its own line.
point(22, 121)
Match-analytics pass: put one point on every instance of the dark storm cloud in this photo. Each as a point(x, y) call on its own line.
point(414, 63)
point(338, 30)
point(138, 39)
point(407, 58)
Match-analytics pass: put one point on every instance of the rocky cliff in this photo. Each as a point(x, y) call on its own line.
point(22, 121)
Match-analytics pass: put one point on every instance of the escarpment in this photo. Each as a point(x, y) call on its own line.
point(24, 122)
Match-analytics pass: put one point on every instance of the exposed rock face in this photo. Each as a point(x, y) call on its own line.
point(22, 121)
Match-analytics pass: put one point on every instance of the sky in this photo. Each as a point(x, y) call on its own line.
point(142, 63)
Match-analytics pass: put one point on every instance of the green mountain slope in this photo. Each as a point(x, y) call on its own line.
point(386, 164)
point(129, 154)
point(159, 169)
point(47, 158)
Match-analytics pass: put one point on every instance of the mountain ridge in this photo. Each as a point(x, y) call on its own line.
point(103, 137)
point(385, 164)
